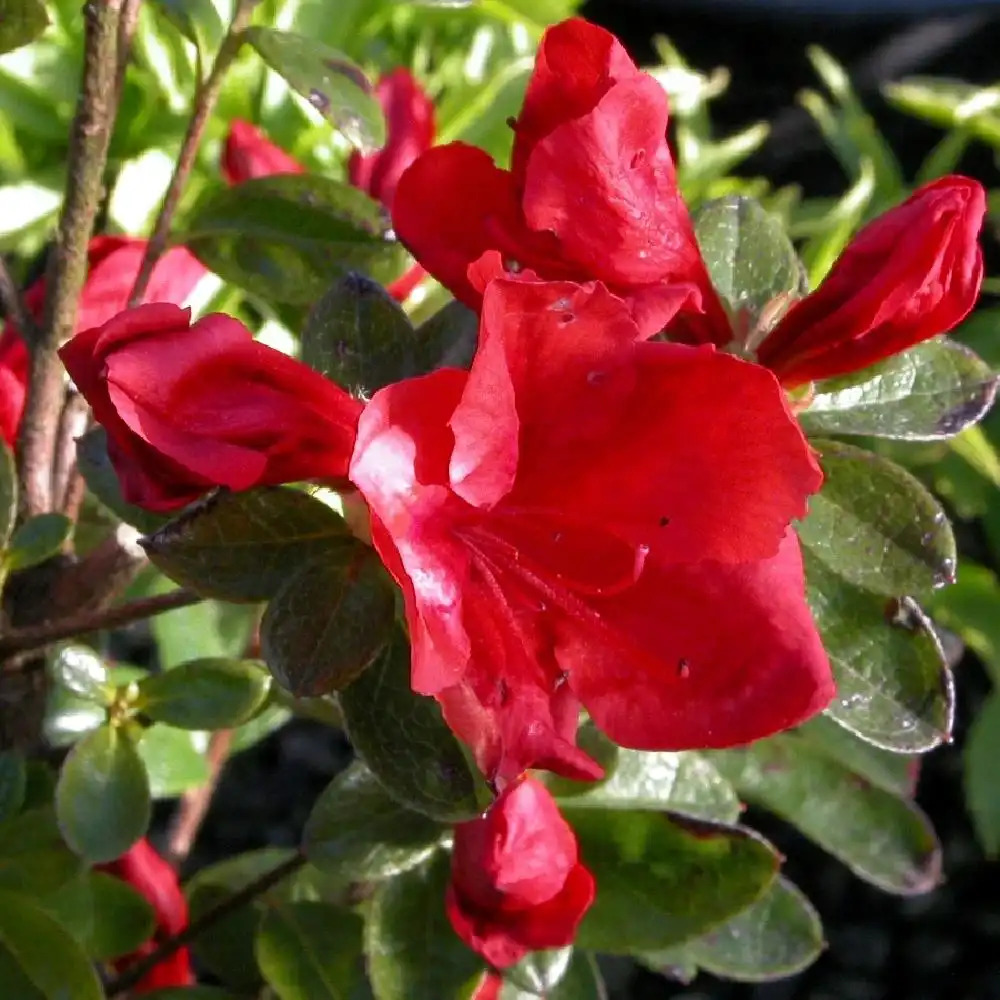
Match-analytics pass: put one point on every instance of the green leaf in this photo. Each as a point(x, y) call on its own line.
point(172, 761)
point(102, 797)
point(928, 393)
point(310, 950)
point(412, 951)
point(13, 783)
point(244, 546)
point(894, 687)
point(327, 623)
point(664, 880)
point(44, 951)
point(37, 539)
point(267, 721)
point(21, 22)
point(191, 993)
point(539, 972)
point(403, 739)
point(448, 338)
point(197, 20)
point(969, 607)
point(205, 694)
point(356, 827)
point(82, 672)
point(982, 789)
point(678, 782)
point(882, 838)
point(33, 857)
point(358, 336)
point(8, 492)
point(336, 87)
point(749, 256)
point(581, 980)
point(777, 936)
point(874, 525)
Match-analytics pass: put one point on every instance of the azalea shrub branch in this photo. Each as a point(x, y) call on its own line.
point(13, 302)
point(204, 104)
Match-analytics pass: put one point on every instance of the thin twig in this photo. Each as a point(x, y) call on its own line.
point(36, 636)
point(204, 104)
point(13, 304)
point(72, 424)
point(126, 30)
point(67, 271)
point(230, 904)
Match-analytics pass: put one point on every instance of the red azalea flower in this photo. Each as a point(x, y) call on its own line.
point(247, 154)
point(13, 380)
point(189, 407)
point(591, 193)
point(587, 517)
point(516, 882)
point(143, 869)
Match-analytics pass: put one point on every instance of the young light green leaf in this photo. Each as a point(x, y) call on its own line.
point(8, 493)
point(928, 393)
point(580, 980)
point(205, 694)
point(310, 950)
point(102, 797)
point(883, 839)
point(21, 22)
point(874, 525)
point(969, 607)
point(403, 739)
point(37, 539)
point(244, 546)
point(665, 879)
point(197, 20)
point(356, 827)
point(172, 761)
point(982, 790)
point(411, 949)
point(13, 783)
point(79, 670)
point(539, 972)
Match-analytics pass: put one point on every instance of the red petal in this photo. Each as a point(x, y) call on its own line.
point(247, 154)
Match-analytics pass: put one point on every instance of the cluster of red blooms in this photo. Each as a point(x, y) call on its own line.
point(598, 513)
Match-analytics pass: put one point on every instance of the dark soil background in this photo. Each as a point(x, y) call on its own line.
point(946, 944)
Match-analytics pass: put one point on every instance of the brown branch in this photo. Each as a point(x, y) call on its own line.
point(73, 423)
point(229, 905)
point(204, 104)
point(67, 271)
point(126, 30)
point(35, 636)
point(14, 306)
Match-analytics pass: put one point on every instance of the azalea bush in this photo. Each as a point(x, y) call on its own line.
point(392, 369)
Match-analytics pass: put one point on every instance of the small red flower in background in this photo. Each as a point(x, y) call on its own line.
point(517, 884)
point(143, 869)
point(188, 407)
point(588, 518)
point(13, 382)
point(488, 988)
point(246, 154)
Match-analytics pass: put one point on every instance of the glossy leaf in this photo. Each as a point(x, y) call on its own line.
point(8, 493)
point(928, 393)
point(172, 761)
point(359, 336)
point(244, 546)
point(287, 237)
point(581, 980)
point(82, 672)
point(894, 687)
point(882, 838)
point(21, 22)
point(403, 739)
point(199, 631)
point(102, 798)
point(970, 609)
point(356, 827)
point(265, 722)
point(539, 972)
point(412, 951)
point(44, 951)
point(13, 783)
point(336, 87)
point(33, 857)
point(310, 950)
point(36, 540)
point(197, 20)
point(876, 526)
point(448, 338)
point(982, 789)
point(205, 694)
point(664, 880)
point(327, 623)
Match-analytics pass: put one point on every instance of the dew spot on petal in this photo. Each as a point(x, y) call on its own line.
point(683, 668)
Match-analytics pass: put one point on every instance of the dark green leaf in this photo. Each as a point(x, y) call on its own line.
point(205, 694)
point(539, 972)
point(327, 623)
point(580, 981)
point(191, 993)
point(775, 937)
point(448, 339)
point(664, 880)
point(13, 783)
point(679, 782)
point(876, 526)
point(46, 954)
point(894, 688)
point(173, 762)
point(37, 539)
point(269, 719)
point(883, 839)
point(197, 20)
point(244, 546)
point(928, 393)
point(749, 256)
point(359, 336)
point(8, 492)
point(356, 827)
point(33, 857)
point(102, 480)
point(412, 951)
point(21, 21)
point(287, 237)
point(982, 788)
point(102, 798)
point(16, 984)
point(969, 607)
point(404, 741)
point(82, 672)
point(310, 950)
point(336, 87)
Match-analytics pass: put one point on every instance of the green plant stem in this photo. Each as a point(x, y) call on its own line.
point(204, 104)
point(67, 271)
point(229, 905)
